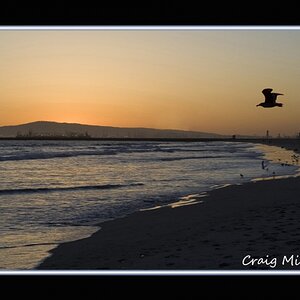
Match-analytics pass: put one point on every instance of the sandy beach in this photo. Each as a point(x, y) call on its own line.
point(226, 231)
point(287, 143)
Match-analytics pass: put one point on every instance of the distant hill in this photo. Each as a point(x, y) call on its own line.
point(45, 129)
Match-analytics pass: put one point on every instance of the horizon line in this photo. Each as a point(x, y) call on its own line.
point(141, 127)
point(253, 135)
point(150, 27)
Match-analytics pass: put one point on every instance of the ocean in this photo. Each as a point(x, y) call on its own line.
point(57, 191)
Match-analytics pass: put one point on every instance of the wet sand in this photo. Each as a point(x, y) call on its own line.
point(256, 219)
point(290, 144)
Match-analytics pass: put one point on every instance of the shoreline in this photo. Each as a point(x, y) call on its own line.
point(230, 224)
point(289, 144)
point(218, 233)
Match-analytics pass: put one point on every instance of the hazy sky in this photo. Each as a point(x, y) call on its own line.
point(194, 80)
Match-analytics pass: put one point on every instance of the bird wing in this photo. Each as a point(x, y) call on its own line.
point(274, 95)
point(269, 98)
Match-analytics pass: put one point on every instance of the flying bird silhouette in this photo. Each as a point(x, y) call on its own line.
point(270, 99)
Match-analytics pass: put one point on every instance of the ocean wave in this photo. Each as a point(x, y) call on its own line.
point(229, 156)
point(28, 245)
point(61, 189)
point(33, 151)
point(49, 155)
point(190, 157)
point(65, 154)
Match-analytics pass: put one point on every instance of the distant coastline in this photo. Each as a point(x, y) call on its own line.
point(49, 130)
point(125, 139)
point(289, 143)
point(74, 130)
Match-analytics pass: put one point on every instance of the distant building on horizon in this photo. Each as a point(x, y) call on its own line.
point(267, 134)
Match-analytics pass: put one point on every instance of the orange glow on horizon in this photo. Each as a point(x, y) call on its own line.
point(207, 81)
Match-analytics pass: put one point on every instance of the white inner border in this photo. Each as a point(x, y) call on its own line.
point(175, 27)
point(150, 272)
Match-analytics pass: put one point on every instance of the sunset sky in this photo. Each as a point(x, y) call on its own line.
point(204, 80)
